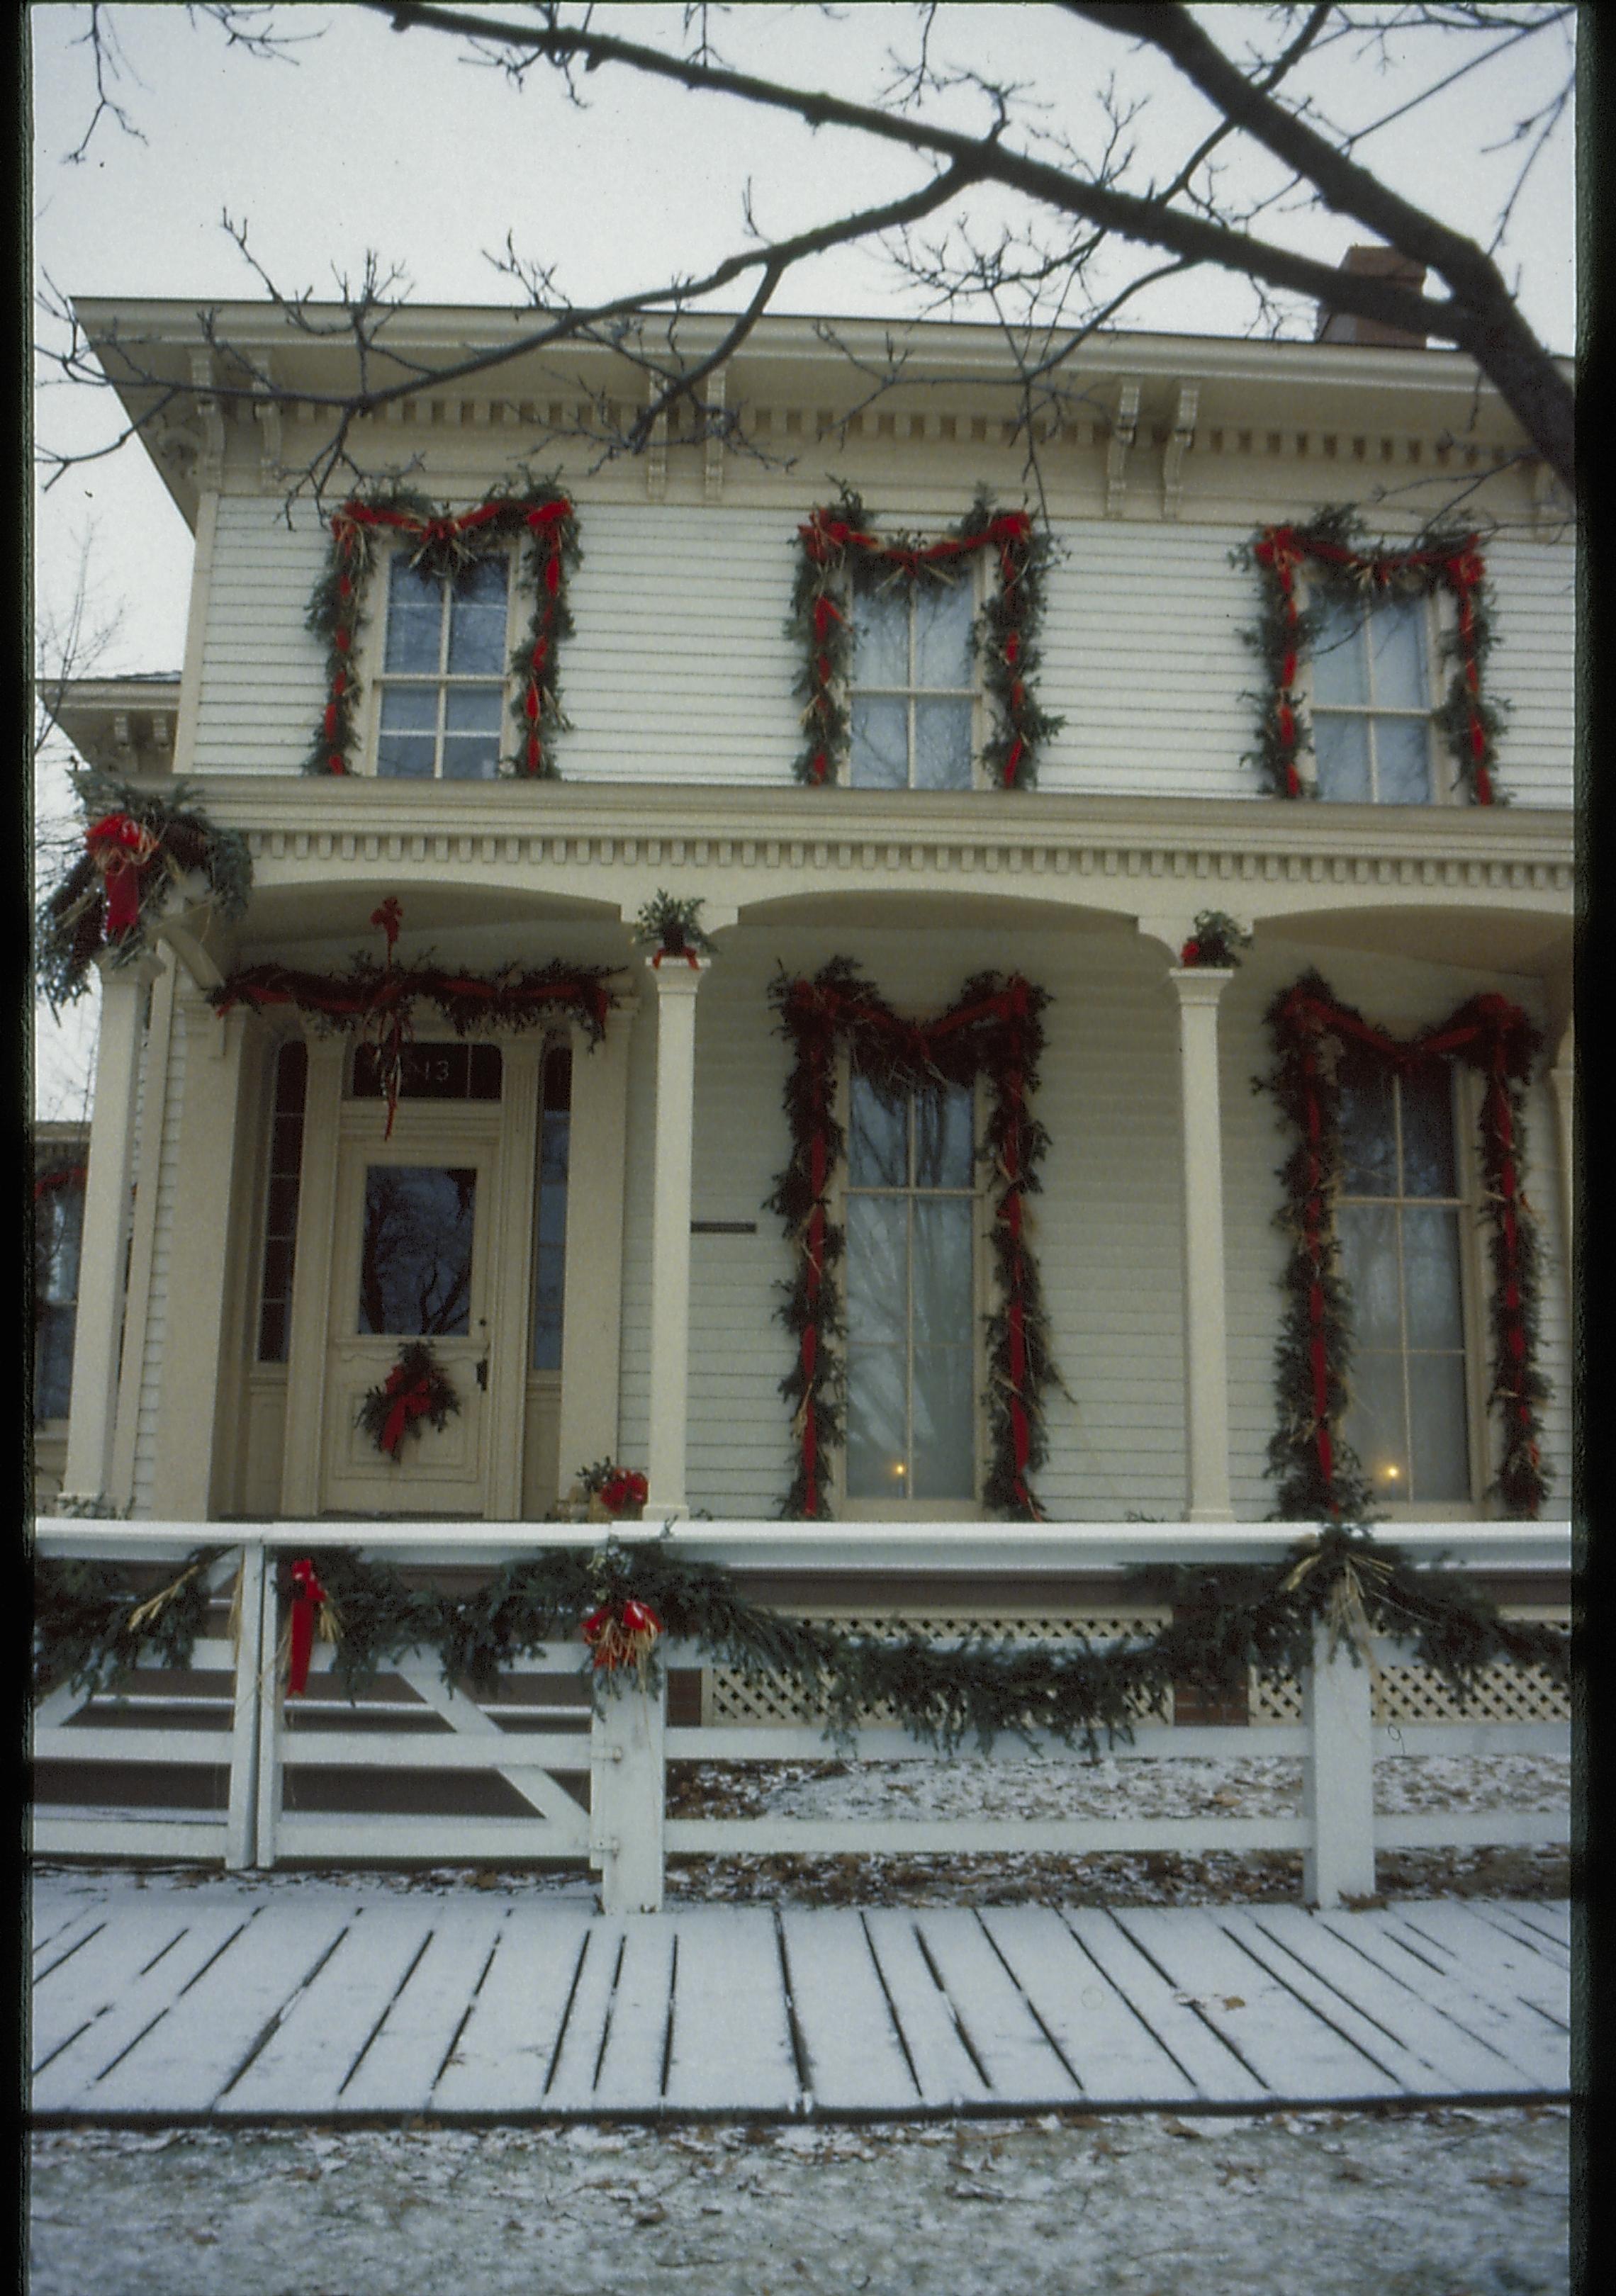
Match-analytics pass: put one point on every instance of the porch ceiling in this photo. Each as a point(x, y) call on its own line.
point(1493, 940)
point(342, 909)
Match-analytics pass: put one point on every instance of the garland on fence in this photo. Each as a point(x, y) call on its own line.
point(840, 555)
point(1338, 565)
point(416, 1387)
point(137, 845)
point(377, 1002)
point(993, 1030)
point(89, 1629)
point(1320, 1044)
point(444, 544)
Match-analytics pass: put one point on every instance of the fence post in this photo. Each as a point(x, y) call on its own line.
point(627, 1774)
point(1338, 1794)
point(239, 1828)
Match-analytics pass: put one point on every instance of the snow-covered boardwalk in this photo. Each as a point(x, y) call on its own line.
point(198, 2000)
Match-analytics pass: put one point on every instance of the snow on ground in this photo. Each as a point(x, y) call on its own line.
point(1445, 2203)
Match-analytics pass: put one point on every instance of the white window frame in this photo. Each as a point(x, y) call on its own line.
point(960, 1510)
point(379, 680)
point(857, 688)
point(1474, 1279)
point(1433, 627)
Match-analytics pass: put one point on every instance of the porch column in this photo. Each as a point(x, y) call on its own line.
point(210, 1193)
point(592, 1308)
point(677, 979)
point(98, 1326)
point(1205, 1341)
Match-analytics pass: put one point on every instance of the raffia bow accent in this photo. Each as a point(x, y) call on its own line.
point(1345, 1613)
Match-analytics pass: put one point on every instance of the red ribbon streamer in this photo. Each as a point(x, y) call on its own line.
point(306, 1596)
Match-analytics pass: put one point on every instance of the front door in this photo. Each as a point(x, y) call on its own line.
point(414, 1261)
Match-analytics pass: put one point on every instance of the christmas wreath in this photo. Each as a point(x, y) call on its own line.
point(1339, 564)
point(416, 1387)
point(993, 1030)
point(840, 555)
point(137, 846)
point(1320, 1045)
point(446, 543)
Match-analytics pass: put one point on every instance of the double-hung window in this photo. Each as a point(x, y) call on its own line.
point(912, 697)
point(58, 1232)
point(441, 684)
point(1371, 733)
point(1399, 1226)
point(910, 1271)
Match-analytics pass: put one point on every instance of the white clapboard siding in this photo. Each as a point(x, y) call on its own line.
point(681, 668)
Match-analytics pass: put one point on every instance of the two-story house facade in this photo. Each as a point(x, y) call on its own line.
point(949, 854)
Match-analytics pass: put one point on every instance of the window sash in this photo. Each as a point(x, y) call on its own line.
point(947, 706)
point(438, 720)
point(1364, 746)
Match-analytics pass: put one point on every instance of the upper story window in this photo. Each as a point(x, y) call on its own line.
point(442, 681)
point(1398, 1228)
point(913, 690)
point(1371, 733)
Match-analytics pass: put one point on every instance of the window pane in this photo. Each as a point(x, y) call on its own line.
point(470, 735)
point(1367, 1236)
point(942, 745)
point(1341, 745)
point(1368, 1138)
point(1430, 1278)
point(416, 1250)
point(877, 1137)
point(53, 1362)
point(1436, 1398)
point(944, 1448)
point(408, 741)
point(943, 1154)
point(942, 633)
point(877, 1270)
point(880, 755)
point(875, 1444)
point(940, 1279)
point(1428, 1149)
point(548, 1300)
point(1340, 669)
point(881, 635)
point(1397, 646)
point(477, 621)
point(414, 618)
point(1374, 1424)
point(1402, 761)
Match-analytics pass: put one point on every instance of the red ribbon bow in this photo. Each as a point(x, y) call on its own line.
point(621, 1634)
point(121, 849)
point(409, 1403)
point(306, 1596)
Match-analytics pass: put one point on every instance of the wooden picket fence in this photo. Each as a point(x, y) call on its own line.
point(218, 1766)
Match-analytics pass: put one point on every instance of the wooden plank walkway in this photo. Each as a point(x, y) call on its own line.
point(224, 2001)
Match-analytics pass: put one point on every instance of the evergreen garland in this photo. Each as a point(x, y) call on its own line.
point(514, 997)
point(1225, 1622)
point(840, 555)
point(1341, 564)
point(994, 1030)
point(1320, 1044)
point(444, 544)
point(150, 839)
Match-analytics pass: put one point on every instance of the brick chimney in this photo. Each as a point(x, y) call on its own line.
point(1373, 263)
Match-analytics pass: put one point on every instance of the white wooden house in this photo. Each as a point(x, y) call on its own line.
point(592, 1257)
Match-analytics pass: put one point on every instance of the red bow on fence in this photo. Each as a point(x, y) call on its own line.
point(307, 1596)
point(621, 1634)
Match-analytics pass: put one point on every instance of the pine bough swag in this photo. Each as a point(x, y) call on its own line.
point(995, 1030)
point(1320, 1045)
point(841, 556)
point(1339, 565)
point(137, 846)
point(444, 544)
point(416, 1387)
point(1224, 1624)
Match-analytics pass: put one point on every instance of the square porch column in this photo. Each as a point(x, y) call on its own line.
point(1205, 1333)
point(677, 979)
point(98, 1325)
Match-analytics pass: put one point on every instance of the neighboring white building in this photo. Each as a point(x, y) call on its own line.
point(590, 1249)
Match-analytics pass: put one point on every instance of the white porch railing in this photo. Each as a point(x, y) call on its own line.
point(231, 1720)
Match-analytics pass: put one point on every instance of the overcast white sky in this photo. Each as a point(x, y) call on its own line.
point(372, 139)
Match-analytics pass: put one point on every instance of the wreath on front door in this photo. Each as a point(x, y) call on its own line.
point(417, 1389)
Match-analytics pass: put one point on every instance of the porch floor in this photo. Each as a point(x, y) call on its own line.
point(220, 1998)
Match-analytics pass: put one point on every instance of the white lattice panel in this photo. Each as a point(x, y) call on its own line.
point(727, 1695)
point(1414, 1693)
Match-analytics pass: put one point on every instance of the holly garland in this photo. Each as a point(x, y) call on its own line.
point(444, 544)
point(89, 1629)
point(416, 1387)
point(994, 1030)
point(841, 554)
point(1320, 1044)
point(137, 845)
point(1331, 549)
